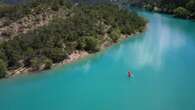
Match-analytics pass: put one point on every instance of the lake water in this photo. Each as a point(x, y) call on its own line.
point(162, 60)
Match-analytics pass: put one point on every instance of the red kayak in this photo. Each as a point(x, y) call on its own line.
point(129, 74)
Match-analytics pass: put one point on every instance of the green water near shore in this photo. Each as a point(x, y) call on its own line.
point(162, 60)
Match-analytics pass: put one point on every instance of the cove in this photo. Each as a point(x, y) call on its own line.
point(162, 60)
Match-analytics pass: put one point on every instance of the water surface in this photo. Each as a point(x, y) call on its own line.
point(162, 60)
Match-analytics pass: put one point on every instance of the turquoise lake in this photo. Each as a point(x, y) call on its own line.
point(162, 60)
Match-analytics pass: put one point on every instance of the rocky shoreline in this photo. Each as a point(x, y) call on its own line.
point(74, 56)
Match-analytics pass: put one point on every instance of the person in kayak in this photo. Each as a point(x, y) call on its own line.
point(129, 74)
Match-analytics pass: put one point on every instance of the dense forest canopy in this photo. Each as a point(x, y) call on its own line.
point(76, 27)
point(179, 8)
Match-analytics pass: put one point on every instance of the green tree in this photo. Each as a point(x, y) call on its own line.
point(48, 63)
point(3, 68)
point(35, 63)
point(12, 51)
point(81, 44)
point(91, 44)
point(115, 35)
point(57, 54)
point(191, 5)
point(2, 56)
point(181, 12)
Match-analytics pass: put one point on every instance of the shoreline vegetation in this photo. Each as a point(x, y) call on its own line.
point(179, 8)
point(73, 57)
point(41, 34)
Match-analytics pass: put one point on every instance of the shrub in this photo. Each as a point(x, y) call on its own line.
point(115, 35)
point(57, 54)
point(181, 12)
point(35, 63)
point(91, 44)
point(48, 63)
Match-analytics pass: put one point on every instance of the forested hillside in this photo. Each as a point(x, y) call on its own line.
point(42, 32)
point(179, 8)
